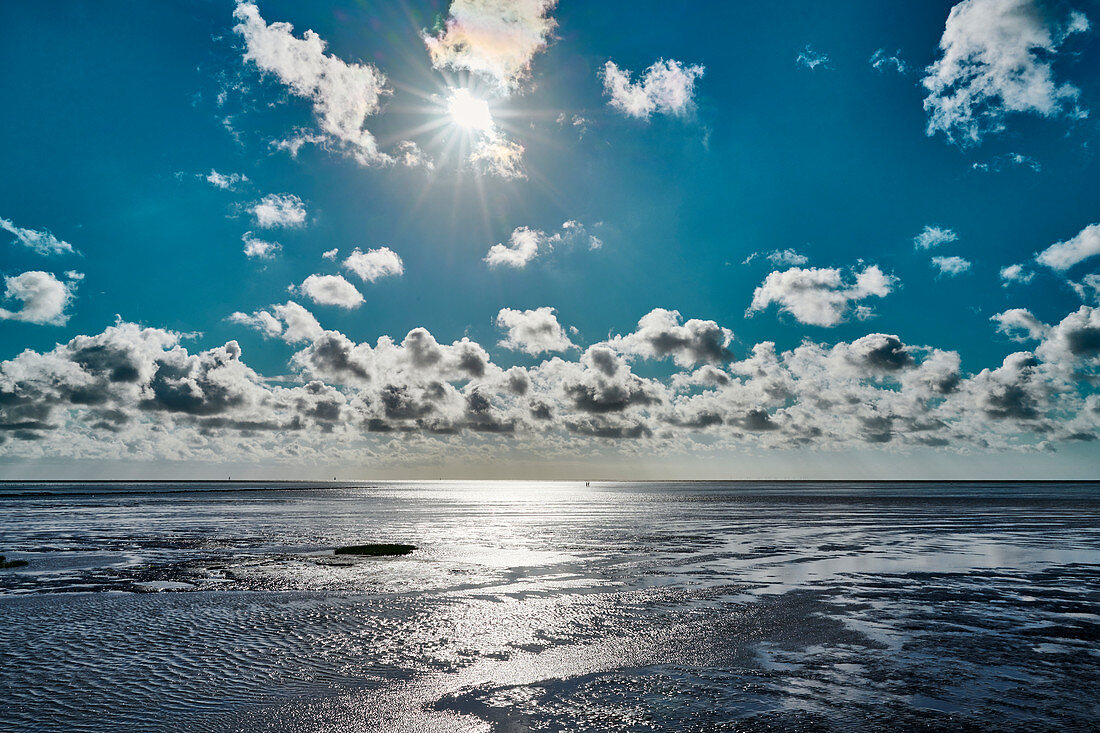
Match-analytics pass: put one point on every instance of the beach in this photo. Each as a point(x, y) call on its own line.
point(551, 606)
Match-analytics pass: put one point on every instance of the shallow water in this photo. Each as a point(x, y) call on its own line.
point(551, 606)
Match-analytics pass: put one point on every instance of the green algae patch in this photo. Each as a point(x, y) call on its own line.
point(379, 550)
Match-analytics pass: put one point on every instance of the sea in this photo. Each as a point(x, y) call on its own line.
point(550, 606)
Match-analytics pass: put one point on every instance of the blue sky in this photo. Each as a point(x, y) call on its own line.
point(764, 172)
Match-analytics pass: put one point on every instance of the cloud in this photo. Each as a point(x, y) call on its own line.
point(44, 298)
point(495, 154)
point(259, 248)
point(374, 263)
point(1064, 255)
point(951, 265)
point(667, 87)
point(496, 39)
point(881, 61)
point(279, 210)
point(525, 244)
point(997, 60)
point(1020, 325)
point(811, 59)
point(42, 242)
point(135, 392)
point(330, 254)
point(933, 237)
point(821, 296)
point(660, 335)
point(1015, 274)
point(998, 163)
point(532, 331)
point(225, 182)
point(409, 154)
point(289, 321)
point(1088, 288)
point(778, 258)
point(331, 290)
point(343, 95)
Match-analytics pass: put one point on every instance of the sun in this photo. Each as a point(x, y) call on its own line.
point(468, 111)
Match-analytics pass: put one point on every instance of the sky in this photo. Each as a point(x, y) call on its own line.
point(543, 239)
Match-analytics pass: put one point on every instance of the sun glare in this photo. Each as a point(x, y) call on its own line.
point(468, 111)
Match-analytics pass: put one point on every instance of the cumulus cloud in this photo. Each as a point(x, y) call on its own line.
point(997, 60)
point(811, 59)
point(660, 335)
point(496, 39)
point(137, 392)
point(532, 331)
point(821, 296)
point(225, 181)
point(951, 266)
point(1019, 324)
point(1064, 255)
point(933, 237)
point(666, 87)
point(495, 154)
point(525, 244)
point(259, 248)
point(44, 298)
point(343, 94)
point(279, 210)
point(374, 263)
point(331, 290)
point(882, 61)
point(42, 242)
point(330, 254)
point(1015, 274)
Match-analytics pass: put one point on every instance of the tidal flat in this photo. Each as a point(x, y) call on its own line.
point(550, 606)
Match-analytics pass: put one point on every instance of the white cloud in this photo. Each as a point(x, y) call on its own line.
point(331, 290)
point(666, 86)
point(279, 210)
point(525, 244)
point(1088, 288)
point(811, 59)
point(998, 163)
point(259, 248)
point(1015, 274)
point(493, 38)
point(1020, 325)
point(997, 59)
point(225, 181)
point(418, 398)
point(951, 265)
point(330, 254)
point(1064, 255)
point(660, 334)
point(343, 94)
point(409, 154)
point(289, 321)
point(933, 237)
point(374, 263)
point(43, 296)
point(74, 275)
point(779, 257)
point(882, 61)
point(532, 331)
point(42, 242)
point(499, 156)
point(821, 296)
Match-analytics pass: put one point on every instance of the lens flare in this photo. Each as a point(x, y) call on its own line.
point(468, 111)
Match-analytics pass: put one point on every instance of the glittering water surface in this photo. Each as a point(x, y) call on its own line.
point(551, 607)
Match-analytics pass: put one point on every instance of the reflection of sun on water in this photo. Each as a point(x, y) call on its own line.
point(468, 111)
